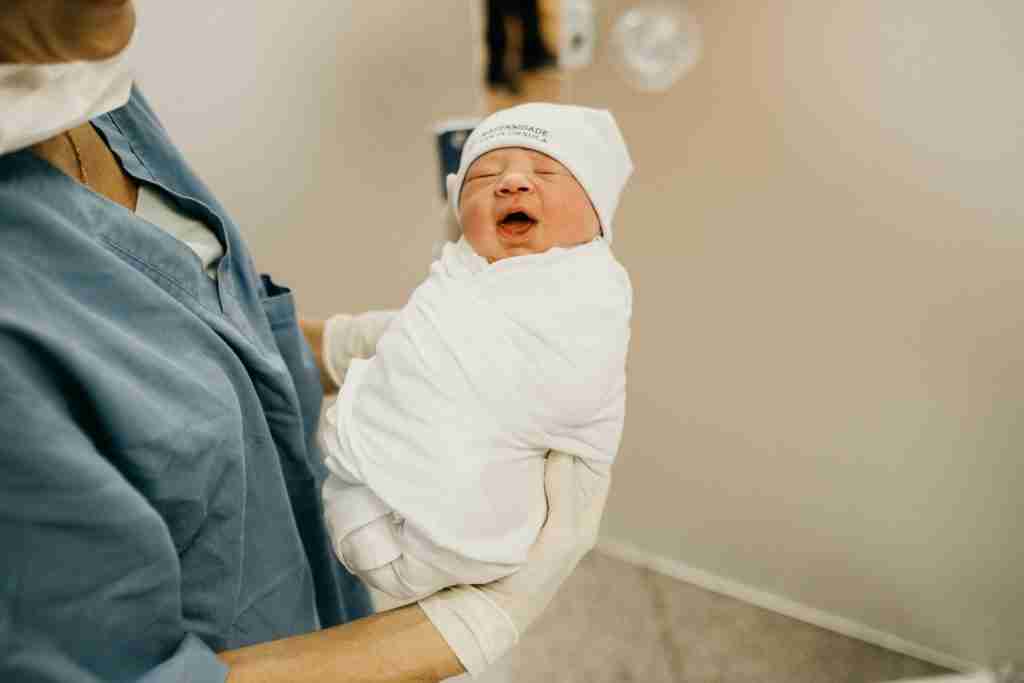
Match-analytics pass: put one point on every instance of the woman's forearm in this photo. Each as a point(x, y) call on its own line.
point(400, 645)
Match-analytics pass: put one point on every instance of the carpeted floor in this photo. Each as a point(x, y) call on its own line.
point(616, 623)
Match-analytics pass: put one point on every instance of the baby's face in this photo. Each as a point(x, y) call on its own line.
point(517, 201)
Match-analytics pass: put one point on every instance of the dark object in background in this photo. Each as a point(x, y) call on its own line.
point(451, 135)
point(503, 67)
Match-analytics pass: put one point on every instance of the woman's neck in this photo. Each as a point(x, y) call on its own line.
point(83, 155)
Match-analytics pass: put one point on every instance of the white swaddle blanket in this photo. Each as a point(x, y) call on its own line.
point(436, 444)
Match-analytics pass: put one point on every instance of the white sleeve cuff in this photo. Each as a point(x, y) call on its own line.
point(475, 628)
point(352, 336)
point(336, 357)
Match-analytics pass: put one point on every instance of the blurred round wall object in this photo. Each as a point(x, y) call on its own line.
point(655, 43)
point(577, 34)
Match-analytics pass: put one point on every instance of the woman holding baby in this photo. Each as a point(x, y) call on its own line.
point(160, 500)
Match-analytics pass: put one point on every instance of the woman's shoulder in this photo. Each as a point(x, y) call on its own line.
point(138, 106)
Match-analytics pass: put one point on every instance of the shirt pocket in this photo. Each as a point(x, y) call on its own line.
point(279, 306)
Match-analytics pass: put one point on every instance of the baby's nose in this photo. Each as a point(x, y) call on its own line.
point(512, 183)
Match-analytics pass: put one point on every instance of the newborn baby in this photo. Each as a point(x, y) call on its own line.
point(515, 345)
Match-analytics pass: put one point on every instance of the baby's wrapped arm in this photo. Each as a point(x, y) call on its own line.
point(373, 543)
point(374, 554)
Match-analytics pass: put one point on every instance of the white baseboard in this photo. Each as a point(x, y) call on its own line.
point(678, 570)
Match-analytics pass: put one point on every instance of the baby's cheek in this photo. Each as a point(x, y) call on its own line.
point(472, 226)
point(477, 234)
point(578, 224)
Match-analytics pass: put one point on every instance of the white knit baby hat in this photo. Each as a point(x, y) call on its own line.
point(586, 141)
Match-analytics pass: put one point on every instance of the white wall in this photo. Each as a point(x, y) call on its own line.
point(825, 234)
point(310, 120)
point(826, 237)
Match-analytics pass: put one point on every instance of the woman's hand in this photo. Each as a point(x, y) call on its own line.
point(313, 331)
point(340, 338)
point(52, 31)
point(480, 623)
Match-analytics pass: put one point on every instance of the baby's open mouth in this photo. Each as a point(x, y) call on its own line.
point(516, 223)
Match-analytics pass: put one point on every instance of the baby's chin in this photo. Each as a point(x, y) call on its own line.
point(493, 247)
point(497, 251)
point(510, 253)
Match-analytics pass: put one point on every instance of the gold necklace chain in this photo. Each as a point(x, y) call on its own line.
point(78, 157)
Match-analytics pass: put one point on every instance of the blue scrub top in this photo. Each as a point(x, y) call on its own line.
point(159, 491)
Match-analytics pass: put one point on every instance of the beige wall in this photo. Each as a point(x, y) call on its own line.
point(825, 234)
point(827, 239)
point(310, 120)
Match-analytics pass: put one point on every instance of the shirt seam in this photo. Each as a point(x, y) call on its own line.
point(225, 287)
point(168, 279)
point(269, 589)
point(178, 285)
point(113, 119)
